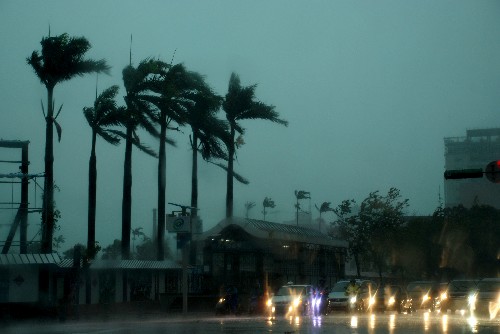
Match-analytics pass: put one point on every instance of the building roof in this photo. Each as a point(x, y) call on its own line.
point(268, 230)
point(126, 264)
point(22, 259)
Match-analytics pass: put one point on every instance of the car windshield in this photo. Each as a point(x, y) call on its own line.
point(291, 291)
point(462, 286)
point(489, 286)
point(340, 287)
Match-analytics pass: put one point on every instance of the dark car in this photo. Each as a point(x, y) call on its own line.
point(390, 298)
point(458, 295)
point(487, 298)
point(424, 295)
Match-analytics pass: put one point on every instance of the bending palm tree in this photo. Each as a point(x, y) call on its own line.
point(207, 132)
point(61, 59)
point(240, 104)
point(104, 113)
point(138, 113)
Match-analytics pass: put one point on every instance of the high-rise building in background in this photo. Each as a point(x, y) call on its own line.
point(478, 148)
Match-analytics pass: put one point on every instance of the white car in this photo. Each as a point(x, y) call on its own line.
point(291, 299)
point(339, 300)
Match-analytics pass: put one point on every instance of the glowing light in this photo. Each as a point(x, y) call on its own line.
point(353, 300)
point(445, 323)
point(354, 322)
point(472, 321)
point(269, 302)
point(392, 321)
point(392, 300)
point(426, 321)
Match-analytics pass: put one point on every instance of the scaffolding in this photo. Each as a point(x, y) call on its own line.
point(21, 218)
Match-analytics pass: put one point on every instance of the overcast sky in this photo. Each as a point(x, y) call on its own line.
point(369, 88)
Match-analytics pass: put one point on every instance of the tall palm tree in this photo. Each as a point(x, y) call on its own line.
point(103, 114)
point(61, 59)
point(139, 84)
point(171, 105)
point(240, 104)
point(207, 131)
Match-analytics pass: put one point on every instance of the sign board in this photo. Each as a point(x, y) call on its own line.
point(178, 224)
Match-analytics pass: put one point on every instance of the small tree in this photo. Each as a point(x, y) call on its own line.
point(248, 207)
point(267, 203)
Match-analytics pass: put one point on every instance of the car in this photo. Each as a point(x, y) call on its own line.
point(291, 299)
point(339, 300)
point(423, 295)
point(390, 298)
point(487, 297)
point(457, 295)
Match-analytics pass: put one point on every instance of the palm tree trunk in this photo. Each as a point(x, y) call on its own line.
point(162, 166)
point(92, 195)
point(230, 168)
point(91, 215)
point(127, 196)
point(194, 176)
point(48, 198)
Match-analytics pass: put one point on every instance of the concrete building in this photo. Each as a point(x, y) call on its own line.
point(478, 148)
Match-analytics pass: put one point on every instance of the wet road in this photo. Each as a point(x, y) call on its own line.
point(334, 323)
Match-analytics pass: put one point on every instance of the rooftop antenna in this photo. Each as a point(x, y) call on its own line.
point(130, 55)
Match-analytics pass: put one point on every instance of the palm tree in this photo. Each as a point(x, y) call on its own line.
point(267, 203)
point(325, 207)
point(300, 194)
point(103, 114)
point(139, 83)
point(240, 104)
point(61, 59)
point(248, 207)
point(207, 131)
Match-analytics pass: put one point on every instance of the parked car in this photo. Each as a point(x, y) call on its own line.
point(390, 298)
point(423, 295)
point(291, 299)
point(487, 298)
point(458, 295)
point(339, 300)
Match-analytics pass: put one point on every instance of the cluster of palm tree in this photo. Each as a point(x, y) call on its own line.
point(160, 97)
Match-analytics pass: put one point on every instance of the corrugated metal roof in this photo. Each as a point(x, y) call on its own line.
point(276, 231)
point(126, 264)
point(290, 229)
point(39, 259)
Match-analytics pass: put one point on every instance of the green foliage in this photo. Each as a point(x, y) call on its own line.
point(113, 251)
point(147, 250)
point(62, 58)
point(372, 232)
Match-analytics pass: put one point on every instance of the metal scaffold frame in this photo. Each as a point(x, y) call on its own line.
point(21, 218)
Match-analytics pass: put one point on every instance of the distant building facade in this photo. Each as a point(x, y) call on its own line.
point(478, 148)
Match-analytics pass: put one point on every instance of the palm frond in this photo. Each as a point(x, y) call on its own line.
point(236, 176)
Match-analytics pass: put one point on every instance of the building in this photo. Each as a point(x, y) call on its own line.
point(246, 252)
point(478, 148)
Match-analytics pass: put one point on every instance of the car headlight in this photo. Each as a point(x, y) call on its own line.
point(425, 298)
point(472, 299)
point(371, 301)
point(296, 302)
point(444, 296)
point(269, 302)
point(353, 299)
point(392, 300)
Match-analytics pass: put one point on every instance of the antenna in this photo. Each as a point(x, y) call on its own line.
point(130, 55)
